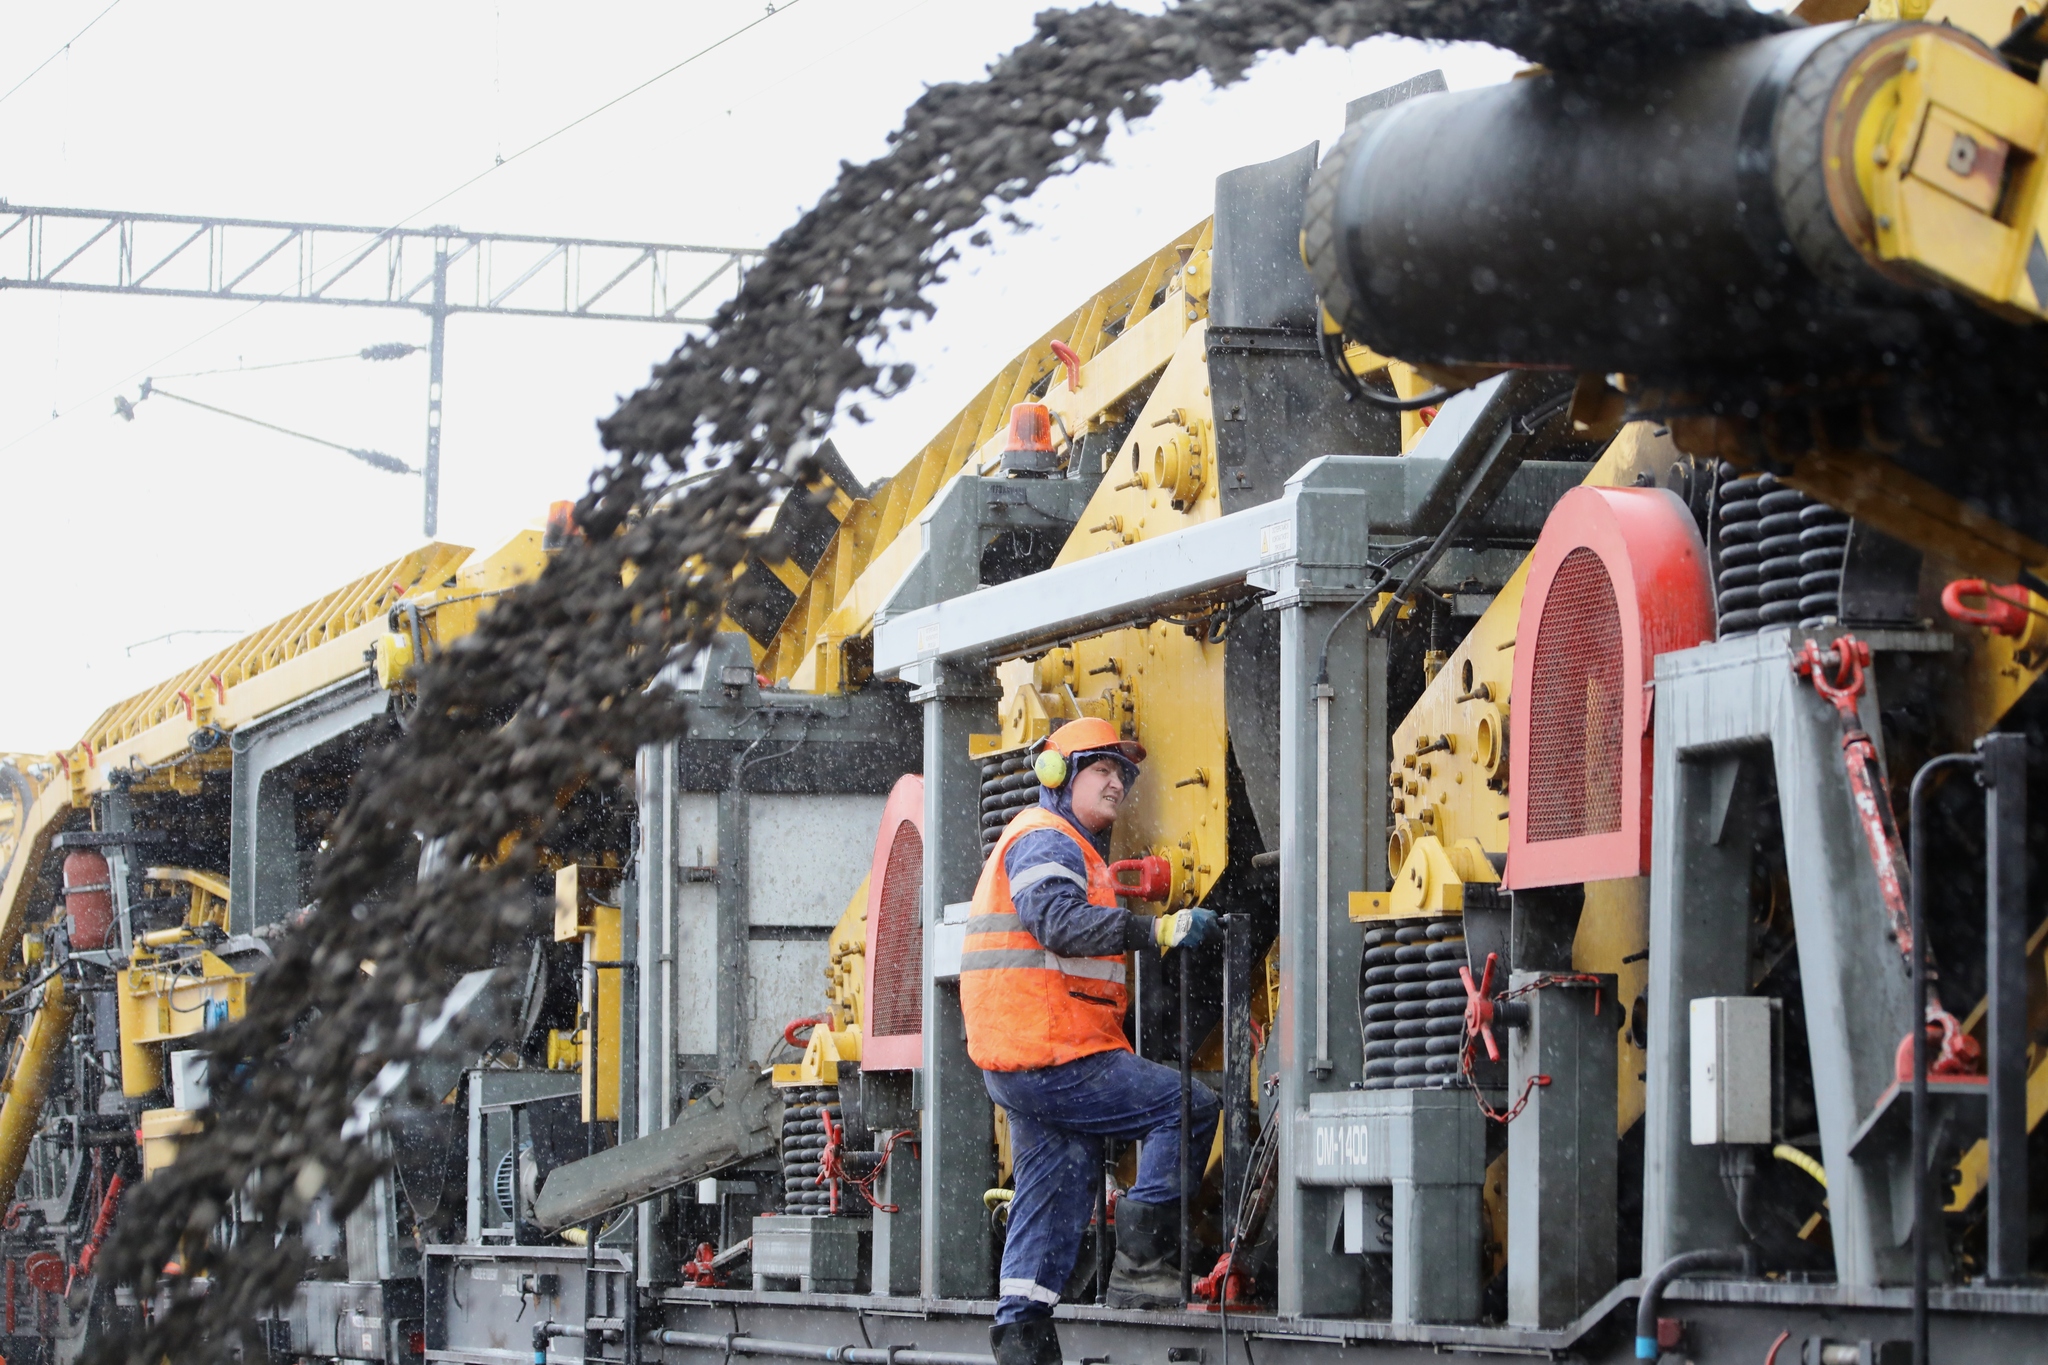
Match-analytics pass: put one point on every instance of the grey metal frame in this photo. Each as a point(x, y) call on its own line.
point(263, 872)
point(1720, 707)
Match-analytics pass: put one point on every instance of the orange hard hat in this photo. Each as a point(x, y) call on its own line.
point(1090, 734)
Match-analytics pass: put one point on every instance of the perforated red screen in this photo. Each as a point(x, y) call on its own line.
point(896, 1006)
point(1575, 712)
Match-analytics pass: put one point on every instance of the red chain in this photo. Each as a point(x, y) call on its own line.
point(831, 1168)
point(1514, 1111)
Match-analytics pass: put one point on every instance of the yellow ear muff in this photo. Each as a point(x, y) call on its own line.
point(1050, 767)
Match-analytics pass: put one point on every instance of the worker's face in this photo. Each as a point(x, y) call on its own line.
point(1098, 794)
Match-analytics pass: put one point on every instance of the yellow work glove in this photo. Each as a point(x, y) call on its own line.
point(1183, 928)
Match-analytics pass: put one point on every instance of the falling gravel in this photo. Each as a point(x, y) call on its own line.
point(558, 688)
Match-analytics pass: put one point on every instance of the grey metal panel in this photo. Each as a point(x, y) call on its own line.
point(340, 1319)
point(785, 981)
point(1714, 703)
point(1257, 278)
point(1428, 83)
point(263, 868)
point(484, 1302)
point(960, 520)
point(692, 970)
point(816, 851)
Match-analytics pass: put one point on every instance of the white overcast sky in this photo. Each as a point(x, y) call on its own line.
point(183, 522)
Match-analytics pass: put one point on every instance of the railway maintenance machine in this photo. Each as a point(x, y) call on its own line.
point(1577, 558)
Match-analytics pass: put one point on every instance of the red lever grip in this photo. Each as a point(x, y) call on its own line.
point(1066, 355)
point(1146, 879)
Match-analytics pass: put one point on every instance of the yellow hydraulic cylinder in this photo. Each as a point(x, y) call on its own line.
point(28, 1073)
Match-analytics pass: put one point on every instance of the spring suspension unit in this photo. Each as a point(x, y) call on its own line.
point(1413, 1003)
point(806, 1186)
point(1007, 786)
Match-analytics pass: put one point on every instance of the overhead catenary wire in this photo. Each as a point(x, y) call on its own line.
point(383, 350)
point(60, 51)
point(498, 164)
point(376, 459)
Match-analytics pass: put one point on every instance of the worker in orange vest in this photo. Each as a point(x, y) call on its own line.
point(1043, 993)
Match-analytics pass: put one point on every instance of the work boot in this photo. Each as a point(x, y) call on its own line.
point(1147, 1271)
point(1032, 1342)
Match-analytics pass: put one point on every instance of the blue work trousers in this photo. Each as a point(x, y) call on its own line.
point(1059, 1116)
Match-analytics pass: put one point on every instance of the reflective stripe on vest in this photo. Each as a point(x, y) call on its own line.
point(999, 959)
point(1024, 1005)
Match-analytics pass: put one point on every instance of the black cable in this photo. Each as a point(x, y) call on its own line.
point(1685, 1263)
point(376, 459)
point(384, 350)
point(59, 52)
point(1356, 388)
point(1382, 568)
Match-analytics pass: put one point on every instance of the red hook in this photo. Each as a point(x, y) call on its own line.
point(2004, 612)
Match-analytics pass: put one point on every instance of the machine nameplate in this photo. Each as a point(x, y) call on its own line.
point(1347, 1149)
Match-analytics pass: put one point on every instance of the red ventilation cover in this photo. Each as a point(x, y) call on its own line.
point(1618, 577)
point(893, 994)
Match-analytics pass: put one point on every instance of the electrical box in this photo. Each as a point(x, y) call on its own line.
point(1731, 1069)
point(188, 1080)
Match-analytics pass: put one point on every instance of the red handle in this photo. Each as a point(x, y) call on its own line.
point(1153, 878)
point(789, 1029)
point(1065, 355)
point(1479, 1005)
point(2004, 611)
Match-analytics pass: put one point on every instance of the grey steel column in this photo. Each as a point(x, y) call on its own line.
point(2004, 774)
point(1561, 1153)
point(1701, 835)
point(734, 856)
point(1239, 974)
point(436, 348)
point(1312, 1282)
point(958, 1121)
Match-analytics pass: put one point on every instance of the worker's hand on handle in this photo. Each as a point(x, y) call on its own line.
point(1184, 928)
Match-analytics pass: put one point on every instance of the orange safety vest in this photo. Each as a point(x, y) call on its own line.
point(1025, 1006)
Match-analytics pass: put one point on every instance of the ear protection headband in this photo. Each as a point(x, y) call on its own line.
point(1050, 767)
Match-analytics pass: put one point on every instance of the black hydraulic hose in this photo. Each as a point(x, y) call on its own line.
point(739, 1344)
point(1916, 912)
point(1684, 1263)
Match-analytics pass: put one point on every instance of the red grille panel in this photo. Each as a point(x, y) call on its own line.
point(897, 941)
point(1575, 710)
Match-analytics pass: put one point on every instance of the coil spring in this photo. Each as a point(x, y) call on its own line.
point(1779, 555)
point(1413, 1004)
point(1007, 786)
point(803, 1145)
